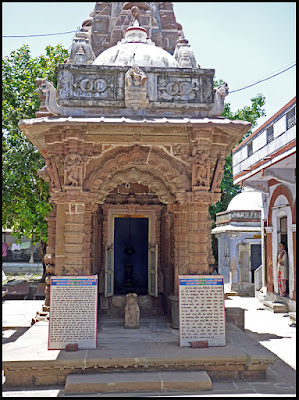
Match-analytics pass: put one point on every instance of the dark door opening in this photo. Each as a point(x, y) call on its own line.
point(131, 256)
point(255, 259)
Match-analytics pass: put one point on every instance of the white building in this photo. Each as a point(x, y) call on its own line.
point(266, 161)
point(238, 230)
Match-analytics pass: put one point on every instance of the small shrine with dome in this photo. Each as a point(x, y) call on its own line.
point(239, 234)
point(134, 147)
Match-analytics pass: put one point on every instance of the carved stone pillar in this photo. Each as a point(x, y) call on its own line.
point(179, 254)
point(191, 240)
point(74, 232)
point(78, 238)
point(73, 236)
point(180, 241)
point(198, 238)
point(59, 245)
point(49, 258)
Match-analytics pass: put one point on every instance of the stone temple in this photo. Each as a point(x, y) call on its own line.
point(134, 147)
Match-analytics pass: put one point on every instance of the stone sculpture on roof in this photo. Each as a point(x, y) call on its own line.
point(135, 89)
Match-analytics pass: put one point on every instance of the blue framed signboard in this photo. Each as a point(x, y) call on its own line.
point(73, 312)
point(201, 309)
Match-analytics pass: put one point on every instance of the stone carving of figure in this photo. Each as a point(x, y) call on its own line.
point(135, 89)
point(136, 15)
point(135, 76)
point(81, 45)
point(201, 170)
point(184, 60)
point(42, 112)
point(51, 102)
point(132, 311)
point(184, 50)
point(220, 94)
point(130, 4)
point(72, 168)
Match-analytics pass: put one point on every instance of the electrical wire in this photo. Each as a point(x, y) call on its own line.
point(46, 34)
point(76, 31)
point(262, 80)
point(51, 34)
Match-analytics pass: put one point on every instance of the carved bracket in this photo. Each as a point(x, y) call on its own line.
point(49, 173)
point(217, 175)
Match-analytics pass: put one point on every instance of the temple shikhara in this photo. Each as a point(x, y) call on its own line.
point(134, 147)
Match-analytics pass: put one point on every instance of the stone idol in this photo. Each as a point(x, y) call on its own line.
point(135, 89)
point(132, 311)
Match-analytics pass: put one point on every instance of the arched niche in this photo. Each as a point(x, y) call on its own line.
point(164, 175)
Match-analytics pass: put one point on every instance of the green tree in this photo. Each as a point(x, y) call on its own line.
point(251, 114)
point(24, 194)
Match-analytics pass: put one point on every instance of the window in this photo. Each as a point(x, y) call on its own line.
point(250, 150)
point(270, 134)
point(291, 118)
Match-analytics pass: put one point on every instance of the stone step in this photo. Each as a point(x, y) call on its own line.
point(292, 316)
point(118, 382)
point(231, 293)
point(276, 307)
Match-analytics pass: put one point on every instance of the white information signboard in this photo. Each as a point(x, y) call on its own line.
point(73, 312)
point(201, 309)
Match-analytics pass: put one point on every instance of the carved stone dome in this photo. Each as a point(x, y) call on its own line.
point(135, 48)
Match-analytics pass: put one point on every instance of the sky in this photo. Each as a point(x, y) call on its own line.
point(244, 42)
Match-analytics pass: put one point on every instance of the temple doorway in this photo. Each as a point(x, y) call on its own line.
point(131, 242)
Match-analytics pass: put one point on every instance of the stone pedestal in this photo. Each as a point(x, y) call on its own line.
point(174, 303)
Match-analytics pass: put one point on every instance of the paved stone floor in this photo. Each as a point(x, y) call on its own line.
point(271, 330)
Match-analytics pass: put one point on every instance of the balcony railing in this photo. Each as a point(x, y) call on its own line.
point(291, 118)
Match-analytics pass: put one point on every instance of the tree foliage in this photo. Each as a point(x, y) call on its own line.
point(24, 194)
point(251, 114)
